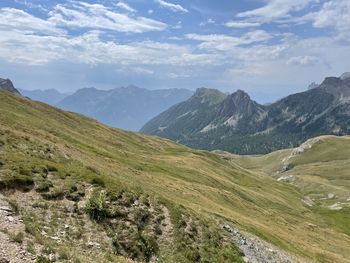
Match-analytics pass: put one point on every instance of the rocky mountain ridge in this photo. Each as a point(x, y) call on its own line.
point(240, 125)
point(6, 84)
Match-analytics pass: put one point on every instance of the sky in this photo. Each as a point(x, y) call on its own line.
point(269, 48)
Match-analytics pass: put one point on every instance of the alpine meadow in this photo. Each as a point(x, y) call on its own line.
point(175, 131)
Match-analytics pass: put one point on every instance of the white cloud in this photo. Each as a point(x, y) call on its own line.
point(125, 7)
point(241, 24)
point(275, 9)
point(142, 71)
point(303, 61)
point(96, 16)
point(32, 5)
point(178, 25)
point(178, 76)
point(32, 49)
point(171, 6)
point(15, 19)
point(209, 21)
point(334, 14)
point(225, 42)
point(29, 40)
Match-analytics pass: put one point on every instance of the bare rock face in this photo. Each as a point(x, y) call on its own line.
point(7, 84)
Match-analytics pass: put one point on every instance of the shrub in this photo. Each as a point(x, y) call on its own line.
point(21, 182)
point(141, 217)
point(42, 259)
point(98, 181)
point(43, 186)
point(24, 171)
point(54, 194)
point(31, 247)
point(14, 206)
point(148, 246)
point(18, 238)
point(96, 206)
point(51, 168)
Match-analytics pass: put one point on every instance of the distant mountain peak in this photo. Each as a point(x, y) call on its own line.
point(239, 102)
point(331, 81)
point(132, 86)
point(240, 95)
point(313, 85)
point(345, 75)
point(201, 92)
point(209, 96)
point(6, 84)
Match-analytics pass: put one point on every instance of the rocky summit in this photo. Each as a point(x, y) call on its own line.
point(7, 84)
point(237, 124)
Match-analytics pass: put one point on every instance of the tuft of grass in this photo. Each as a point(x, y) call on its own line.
point(96, 206)
point(18, 238)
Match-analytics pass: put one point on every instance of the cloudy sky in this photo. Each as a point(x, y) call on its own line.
point(270, 48)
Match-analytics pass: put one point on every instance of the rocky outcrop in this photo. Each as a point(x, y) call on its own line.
point(7, 84)
point(256, 250)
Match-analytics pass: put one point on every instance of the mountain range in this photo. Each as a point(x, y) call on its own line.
point(49, 96)
point(235, 123)
point(127, 108)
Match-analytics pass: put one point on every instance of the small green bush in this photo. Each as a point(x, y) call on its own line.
point(43, 186)
point(98, 181)
point(18, 238)
point(24, 171)
point(42, 259)
point(141, 217)
point(96, 206)
point(51, 168)
point(54, 194)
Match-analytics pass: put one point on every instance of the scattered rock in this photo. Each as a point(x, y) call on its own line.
point(331, 196)
point(308, 201)
point(6, 209)
point(286, 178)
point(91, 244)
point(256, 250)
point(311, 226)
point(336, 206)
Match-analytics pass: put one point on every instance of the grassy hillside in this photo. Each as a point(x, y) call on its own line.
point(59, 155)
point(320, 169)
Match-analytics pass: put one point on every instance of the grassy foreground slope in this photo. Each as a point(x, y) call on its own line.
point(204, 186)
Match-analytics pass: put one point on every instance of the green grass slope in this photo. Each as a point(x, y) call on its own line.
point(208, 187)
